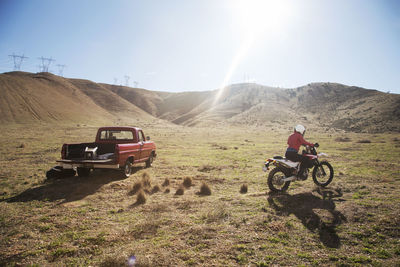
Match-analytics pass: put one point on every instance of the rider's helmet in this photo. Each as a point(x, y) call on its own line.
point(300, 129)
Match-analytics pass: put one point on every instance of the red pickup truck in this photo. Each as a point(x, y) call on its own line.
point(114, 148)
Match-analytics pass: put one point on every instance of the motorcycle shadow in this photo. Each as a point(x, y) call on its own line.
point(316, 214)
point(69, 189)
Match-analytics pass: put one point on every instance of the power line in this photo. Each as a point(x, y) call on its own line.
point(45, 64)
point(127, 80)
point(17, 60)
point(61, 69)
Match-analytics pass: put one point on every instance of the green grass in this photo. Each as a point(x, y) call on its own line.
point(95, 222)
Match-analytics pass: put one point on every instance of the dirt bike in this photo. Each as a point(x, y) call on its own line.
point(287, 171)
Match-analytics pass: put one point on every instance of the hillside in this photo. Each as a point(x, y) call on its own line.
point(27, 97)
point(44, 97)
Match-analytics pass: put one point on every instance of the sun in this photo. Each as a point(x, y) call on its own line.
point(255, 20)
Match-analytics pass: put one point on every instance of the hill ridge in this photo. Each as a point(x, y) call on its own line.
point(29, 97)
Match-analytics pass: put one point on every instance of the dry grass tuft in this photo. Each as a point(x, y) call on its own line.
point(342, 139)
point(146, 180)
point(243, 189)
point(140, 198)
point(155, 189)
point(364, 141)
point(180, 191)
point(135, 188)
point(205, 190)
point(166, 182)
point(21, 146)
point(187, 182)
point(167, 191)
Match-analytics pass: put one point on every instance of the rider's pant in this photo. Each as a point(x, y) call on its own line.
point(294, 156)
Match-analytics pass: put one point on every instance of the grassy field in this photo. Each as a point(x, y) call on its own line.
point(103, 220)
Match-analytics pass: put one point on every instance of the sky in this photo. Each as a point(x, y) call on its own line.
point(197, 45)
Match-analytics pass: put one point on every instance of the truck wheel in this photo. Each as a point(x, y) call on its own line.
point(149, 162)
point(128, 168)
point(83, 172)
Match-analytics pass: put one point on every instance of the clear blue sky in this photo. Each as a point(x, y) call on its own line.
point(186, 45)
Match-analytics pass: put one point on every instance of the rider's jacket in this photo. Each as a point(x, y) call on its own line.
point(295, 140)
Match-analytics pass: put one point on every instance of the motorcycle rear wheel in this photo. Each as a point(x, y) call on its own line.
point(323, 174)
point(275, 182)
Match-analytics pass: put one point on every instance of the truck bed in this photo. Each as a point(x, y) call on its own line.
point(76, 152)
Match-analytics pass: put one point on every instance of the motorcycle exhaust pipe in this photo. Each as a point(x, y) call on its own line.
point(288, 179)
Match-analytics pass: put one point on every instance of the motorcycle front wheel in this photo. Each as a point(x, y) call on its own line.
point(323, 174)
point(275, 182)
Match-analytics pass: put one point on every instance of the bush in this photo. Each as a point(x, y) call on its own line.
point(155, 189)
point(364, 141)
point(187, 182)
point(342, 139)
point(146, 181)
point(205, 190)
point(243, 189)
point(140, 198)
point(166, 182)
point(180, 191)
point(135, 188)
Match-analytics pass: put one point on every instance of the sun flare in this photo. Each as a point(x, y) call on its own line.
point(256, 20)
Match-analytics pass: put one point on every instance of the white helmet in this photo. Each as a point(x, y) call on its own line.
point(300, 129)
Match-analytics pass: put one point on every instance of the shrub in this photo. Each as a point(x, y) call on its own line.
point(166, 182)
point(364, 141)
point(140, 198)
point(243, 189)
point(342, 139)
point(205, 189)
point(155, 189)
point(167, 191)
point(146, 181)
point(135, 188)
point(187, 182)
point(180, 191)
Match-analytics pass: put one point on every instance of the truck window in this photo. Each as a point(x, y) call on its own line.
point(141, 137)
point(116, 135)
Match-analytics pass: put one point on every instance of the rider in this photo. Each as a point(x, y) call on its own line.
point(296, 140)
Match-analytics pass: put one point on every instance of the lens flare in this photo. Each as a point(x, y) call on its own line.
point(132, 261)
point(256, 20)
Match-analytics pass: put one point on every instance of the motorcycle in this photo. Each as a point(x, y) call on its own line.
point(286, 171)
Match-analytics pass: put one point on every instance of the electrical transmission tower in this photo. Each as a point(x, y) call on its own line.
point(61, 68)
point(115, 81)
point(45, 64)
point(17, 61)
point(136, 84)
point(127, 80)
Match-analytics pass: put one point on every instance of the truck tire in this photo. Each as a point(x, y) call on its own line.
point(149, 162)
point(127, 168)
point(83, 172)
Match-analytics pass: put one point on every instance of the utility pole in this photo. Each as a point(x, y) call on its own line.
point(127, 80)
point(17, 60)
point(46, 63)
point(61, 69)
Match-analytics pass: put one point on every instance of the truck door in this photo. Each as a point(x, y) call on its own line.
point(144, 150)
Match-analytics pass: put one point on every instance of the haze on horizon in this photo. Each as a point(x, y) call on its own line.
point(179, 45)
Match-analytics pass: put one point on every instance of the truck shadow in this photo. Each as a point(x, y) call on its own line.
point(69, 189)
point(316, 214)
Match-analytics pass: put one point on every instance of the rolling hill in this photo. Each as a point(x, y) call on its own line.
point(27, 97)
